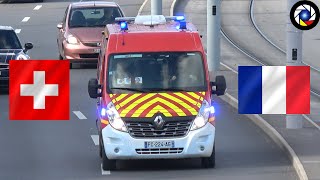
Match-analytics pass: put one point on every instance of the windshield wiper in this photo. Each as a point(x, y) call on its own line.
point(129, 89)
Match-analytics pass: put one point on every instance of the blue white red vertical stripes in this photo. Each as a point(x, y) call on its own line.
point(274, 89)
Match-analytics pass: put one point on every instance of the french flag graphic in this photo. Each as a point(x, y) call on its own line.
point(274, 89)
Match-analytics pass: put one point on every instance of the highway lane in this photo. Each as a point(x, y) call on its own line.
point(65, 150)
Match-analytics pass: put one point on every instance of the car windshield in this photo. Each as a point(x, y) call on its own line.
point(93, 17)
point(9, 40)
point(156, 72)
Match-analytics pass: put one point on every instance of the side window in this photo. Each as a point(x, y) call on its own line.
point(65, 17)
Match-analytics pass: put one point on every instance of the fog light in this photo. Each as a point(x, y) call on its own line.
point(201, 148)
point(116, 150)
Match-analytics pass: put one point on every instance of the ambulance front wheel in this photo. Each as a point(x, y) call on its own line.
point(209, 162)
point(100, 146)
point(107, 164)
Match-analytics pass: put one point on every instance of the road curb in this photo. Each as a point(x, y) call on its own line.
point(266, 127)
point(142, 6)
point(274, 135)
point(173, 5)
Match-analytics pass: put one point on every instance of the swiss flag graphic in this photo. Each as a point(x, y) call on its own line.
point(39, 90)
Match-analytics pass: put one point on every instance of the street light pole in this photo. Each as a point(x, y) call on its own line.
point(213, 35)
point(156, 7)
point(294, 58)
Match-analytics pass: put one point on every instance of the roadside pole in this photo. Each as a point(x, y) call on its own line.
point(156, 7)
point(213, 35)
point(294, 58)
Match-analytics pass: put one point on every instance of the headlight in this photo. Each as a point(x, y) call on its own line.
point(22, 57)
point(202, 118)
point(113, 117)
point(72, 40)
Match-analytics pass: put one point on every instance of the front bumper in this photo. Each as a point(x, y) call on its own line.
point(80, 53)
point(127, 146)
point(4, 77)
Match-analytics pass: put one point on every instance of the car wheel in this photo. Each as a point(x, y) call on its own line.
point(60, 57)
point(209, 162)
point(70, 65)
point(100, 146)
point(107, 164)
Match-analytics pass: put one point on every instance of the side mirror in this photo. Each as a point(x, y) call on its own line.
point(59, 26)
point(220, 86)
point(28, 46)
point(93, 87)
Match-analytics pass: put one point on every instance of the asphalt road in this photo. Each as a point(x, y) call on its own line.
point(66, 150)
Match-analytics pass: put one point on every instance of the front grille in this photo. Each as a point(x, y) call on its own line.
point(160, 151)
point(4, 66)
point(94, 44)
point(92, 56)
point(148, 129)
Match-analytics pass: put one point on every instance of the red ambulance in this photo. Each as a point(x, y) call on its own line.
point(153, 92)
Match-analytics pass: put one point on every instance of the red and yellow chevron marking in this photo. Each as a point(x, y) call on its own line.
point(148, 104)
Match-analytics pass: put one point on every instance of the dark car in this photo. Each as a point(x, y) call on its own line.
point(10, 49)
point(7, 1)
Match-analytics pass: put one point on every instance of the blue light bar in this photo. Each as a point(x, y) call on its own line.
point(124, 26)
point(183, 25)
point(180, 18)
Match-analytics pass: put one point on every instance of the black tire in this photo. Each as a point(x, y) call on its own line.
point(209, 162)
point(70, 65)
point(100, 146)
point(60, 57)
point(107, 164)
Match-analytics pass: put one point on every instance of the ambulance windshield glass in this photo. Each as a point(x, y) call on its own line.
point(156, 72)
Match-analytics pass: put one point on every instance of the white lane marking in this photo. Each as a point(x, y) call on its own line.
point(79, 115)
point(312, 122)
point(25, 19)
point(95, 139)
point(103, 172)
point(37, 7)
point(17, 31)
point(142, 6)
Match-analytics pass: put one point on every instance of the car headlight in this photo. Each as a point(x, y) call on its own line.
point(22, 57)
point(206, 111)
point(111, 114)
point(72, 40)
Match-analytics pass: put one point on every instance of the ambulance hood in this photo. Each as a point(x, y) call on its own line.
point(148, 104)
point(87, 34)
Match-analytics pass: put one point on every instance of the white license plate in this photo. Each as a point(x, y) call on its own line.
point(96, 50)
point(159, 144)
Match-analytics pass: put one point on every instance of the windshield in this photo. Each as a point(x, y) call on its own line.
point(9, 40)
point(156, 72)
point(93, 17)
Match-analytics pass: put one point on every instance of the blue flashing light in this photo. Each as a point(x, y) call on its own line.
point(212, 110)
point(103, 112)
point(180, 18)
point(124, 26)
point(183, 25)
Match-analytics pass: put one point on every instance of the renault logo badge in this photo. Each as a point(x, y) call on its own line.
point(159, 122)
